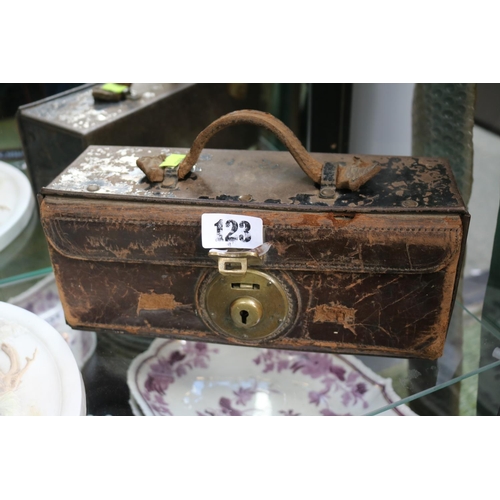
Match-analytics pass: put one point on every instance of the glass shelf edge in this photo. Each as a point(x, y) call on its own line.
point(426, 392)
point(482, 321)
point(19, 278)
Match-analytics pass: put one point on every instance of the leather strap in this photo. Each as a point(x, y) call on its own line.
point(309, 165)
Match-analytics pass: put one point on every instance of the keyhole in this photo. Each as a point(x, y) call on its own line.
point(244, 316)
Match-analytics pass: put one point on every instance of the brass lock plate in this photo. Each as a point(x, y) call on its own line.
point(249, 307)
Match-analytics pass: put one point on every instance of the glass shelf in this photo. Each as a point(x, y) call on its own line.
point(28, 253)
point(448, 386)
point(443, 387)
point(478, 335)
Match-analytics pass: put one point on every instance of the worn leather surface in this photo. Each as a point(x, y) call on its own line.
point(171, 235)
point(370, 272)
point(404, 315)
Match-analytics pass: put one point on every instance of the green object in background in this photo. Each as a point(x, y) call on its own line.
point(172, 161)
point(9, 135)
point(114, 87)
point(442, 124)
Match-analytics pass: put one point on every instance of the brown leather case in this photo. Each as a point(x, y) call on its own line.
point(368, 270)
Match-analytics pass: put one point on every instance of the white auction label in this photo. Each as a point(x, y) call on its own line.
point(231, 231)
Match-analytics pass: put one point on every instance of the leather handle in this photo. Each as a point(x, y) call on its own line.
point(309, 165)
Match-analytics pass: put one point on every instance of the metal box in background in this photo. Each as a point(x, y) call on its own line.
point(56, 130)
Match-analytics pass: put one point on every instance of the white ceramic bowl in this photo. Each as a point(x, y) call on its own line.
point(42, 299)
point(38, 372)
point(16, 203)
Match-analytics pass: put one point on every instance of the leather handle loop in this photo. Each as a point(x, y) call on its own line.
point(309, 165)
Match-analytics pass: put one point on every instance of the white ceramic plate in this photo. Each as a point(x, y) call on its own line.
point(16, 203)
point(38, 372)
point(43, 300)
point(175, 377)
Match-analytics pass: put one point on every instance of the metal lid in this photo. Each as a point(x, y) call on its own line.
point(260, 179)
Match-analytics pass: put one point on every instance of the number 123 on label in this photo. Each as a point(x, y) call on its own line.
point(231, 231)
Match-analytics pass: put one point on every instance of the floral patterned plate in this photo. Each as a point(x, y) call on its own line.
point(136, 409)
point(176, 377)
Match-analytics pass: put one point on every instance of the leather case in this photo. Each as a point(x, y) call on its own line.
point(362, 253)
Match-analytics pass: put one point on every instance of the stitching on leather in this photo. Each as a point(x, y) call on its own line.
point(275, 226)
point(297, 265)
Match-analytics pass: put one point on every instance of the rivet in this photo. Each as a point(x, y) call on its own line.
point(93, 187)
point(410, 203)
point(245, 197)
point(269, 283)
point(327, 192)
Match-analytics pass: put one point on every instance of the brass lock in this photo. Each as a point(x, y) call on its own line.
point(246, 304)
point(246, 312)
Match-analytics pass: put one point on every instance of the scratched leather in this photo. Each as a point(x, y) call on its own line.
point(371, 284)
point(398, 314)
point(362, 243)
point(368, 272)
